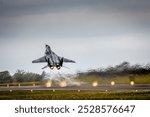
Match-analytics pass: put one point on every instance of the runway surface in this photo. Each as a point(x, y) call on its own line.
point(69, 88)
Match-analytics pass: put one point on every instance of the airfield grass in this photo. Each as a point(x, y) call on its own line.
point(74, 95)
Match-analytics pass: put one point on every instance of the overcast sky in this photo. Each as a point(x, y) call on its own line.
point(94, 33)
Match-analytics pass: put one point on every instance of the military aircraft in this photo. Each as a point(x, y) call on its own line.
point(52, 59)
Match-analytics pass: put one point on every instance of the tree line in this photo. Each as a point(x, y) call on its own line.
point(119, 70)
point(21, 76)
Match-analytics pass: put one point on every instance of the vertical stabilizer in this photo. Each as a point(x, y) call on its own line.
point(48, 49)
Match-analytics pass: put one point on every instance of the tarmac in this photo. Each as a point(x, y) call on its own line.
point(84, 88)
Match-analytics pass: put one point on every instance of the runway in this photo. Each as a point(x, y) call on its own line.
point(80, 88)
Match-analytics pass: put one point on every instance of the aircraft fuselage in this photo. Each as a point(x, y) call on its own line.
point(52, 59)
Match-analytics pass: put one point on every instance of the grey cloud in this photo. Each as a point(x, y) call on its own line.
point(75, 23)
point(23, 7)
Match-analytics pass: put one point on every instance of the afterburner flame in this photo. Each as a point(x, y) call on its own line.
point(63, 84)
point(49, 84)
point(95, 83)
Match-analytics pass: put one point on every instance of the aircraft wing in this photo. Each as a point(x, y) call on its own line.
point(39, 60)
point(68, 60)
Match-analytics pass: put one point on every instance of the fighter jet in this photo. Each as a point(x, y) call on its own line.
point(52, 59)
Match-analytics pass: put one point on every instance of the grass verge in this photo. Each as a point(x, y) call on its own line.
point(75, 95)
